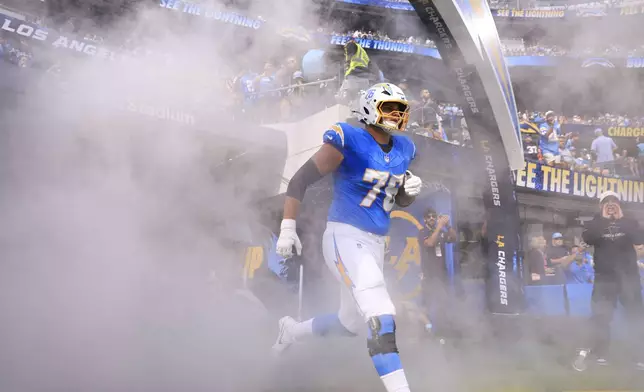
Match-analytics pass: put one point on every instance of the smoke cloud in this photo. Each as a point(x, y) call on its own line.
point(123, 213)
point(127, 200)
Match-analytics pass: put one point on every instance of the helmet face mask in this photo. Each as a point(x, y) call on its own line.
point(392, 120)
point(384, 106)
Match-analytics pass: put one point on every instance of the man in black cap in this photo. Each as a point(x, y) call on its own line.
point(433, 238)
point(614, 237)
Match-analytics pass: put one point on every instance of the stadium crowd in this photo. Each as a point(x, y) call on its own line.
point(562, 260)
point(554, 147)
point(598, 154)
point(277, 91)
point(15, 51)
point(20, 52)
point(542, 49)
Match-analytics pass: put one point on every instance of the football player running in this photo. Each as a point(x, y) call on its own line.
point(370, 172)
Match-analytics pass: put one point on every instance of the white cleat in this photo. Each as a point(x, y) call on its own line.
point(580, 363)
point(284, 337)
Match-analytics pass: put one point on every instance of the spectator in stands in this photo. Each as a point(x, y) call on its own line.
point(557, 253)
point(286, 74)
point(266, 80)
point(538, 268)
point(538, 118)
point(17, 52)
point(266, 87)
point(427, 113)
point(583, 161)
point(530, 148)
point(549, 141)
point(289, 75)
point(426, 97)
point(450, 113)
point(567, 159)
point(579, 269)
point(631, 154)
point(604, 148)
point(572, 142)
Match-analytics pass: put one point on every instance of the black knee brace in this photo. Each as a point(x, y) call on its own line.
point(382, 335)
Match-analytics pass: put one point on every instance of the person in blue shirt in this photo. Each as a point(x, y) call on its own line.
point(580, 269)
point(266, 82)
point(247, 86)
point(369, 162)
point(572, 141)
point(537, 118)
point(550, 131)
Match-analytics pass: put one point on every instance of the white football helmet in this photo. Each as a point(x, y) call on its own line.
point(370, 110)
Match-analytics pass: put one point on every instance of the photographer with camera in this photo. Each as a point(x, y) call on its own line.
point(614, 238)
point(432, 238)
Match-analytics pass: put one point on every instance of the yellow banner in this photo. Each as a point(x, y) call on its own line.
point(625, 131)
point(567, 182)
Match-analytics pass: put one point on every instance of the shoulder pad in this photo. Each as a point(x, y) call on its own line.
point(339, 135)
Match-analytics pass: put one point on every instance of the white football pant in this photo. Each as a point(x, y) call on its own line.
point(356, 259)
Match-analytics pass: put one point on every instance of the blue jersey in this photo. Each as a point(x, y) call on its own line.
point(367, 181)
point(268, 83)
point(247, 84)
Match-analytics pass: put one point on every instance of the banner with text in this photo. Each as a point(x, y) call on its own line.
point(599, 11)
point(462, 33)
point(23, 30)
point(544, 178)
point(401, 47)
point(212, 13)
point(529, 14)
point(76, 44)
point(609, 130)
point(389, 46)
point(624, 137)
point(511, 61)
